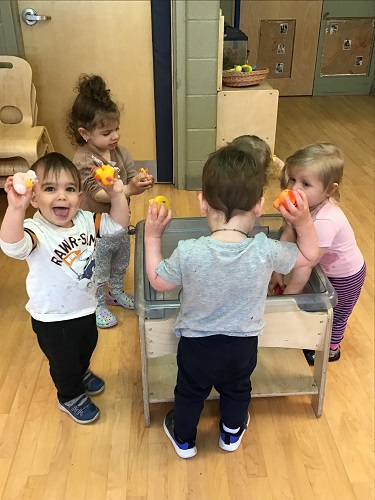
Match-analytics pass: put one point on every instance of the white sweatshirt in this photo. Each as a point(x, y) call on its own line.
point(61, 283)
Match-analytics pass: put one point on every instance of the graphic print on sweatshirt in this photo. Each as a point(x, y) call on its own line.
point(71, 250)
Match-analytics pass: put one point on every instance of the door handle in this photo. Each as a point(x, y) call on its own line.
point(30, 17)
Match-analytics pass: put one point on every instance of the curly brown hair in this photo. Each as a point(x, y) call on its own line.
point(93, 107)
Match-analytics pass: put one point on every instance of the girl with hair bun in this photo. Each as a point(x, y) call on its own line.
point(93, 125)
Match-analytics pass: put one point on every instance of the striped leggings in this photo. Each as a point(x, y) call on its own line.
point(348, 290)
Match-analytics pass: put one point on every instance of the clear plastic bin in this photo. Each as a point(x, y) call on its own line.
point(318, 293)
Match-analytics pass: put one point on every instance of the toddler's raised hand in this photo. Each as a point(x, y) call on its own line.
point(112, 186)
point(15, 200)
point(157, 222)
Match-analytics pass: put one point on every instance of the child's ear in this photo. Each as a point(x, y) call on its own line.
point(258, 209)
point(34, 201)
point(203, 205)
point(83, 133)
point(332, 188)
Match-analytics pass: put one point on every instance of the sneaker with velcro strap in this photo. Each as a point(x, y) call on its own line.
point(92, 383)
point(81, 409)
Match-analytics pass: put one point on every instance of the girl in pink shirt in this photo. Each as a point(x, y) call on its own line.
point(317, 169)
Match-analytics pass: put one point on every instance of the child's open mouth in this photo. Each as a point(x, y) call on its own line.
point(61, 211)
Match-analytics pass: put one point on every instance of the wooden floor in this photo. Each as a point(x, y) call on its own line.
point(287, 453)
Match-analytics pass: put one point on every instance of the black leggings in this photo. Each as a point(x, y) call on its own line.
point(68, 345)
point(219, 361)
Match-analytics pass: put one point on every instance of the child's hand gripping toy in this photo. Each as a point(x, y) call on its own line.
point(278, 290)
point(287, 194)
point(146, 175)
point(160, 200)
point(24, 180)
point(104, 174)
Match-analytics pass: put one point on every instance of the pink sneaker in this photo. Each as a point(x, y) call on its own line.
point(104, 318)
point(124, 300)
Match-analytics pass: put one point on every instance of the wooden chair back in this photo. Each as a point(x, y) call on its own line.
point(16, 102)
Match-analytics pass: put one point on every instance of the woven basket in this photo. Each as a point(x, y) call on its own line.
point(244, 79)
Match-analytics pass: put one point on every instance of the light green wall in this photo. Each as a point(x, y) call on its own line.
point(227, 7)
point(10, 29)
point(195, 50)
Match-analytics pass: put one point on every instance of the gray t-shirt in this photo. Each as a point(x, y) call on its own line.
point(224, 285)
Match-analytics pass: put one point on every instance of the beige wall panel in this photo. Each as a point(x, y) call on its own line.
point(110, 38)
point(307, 14)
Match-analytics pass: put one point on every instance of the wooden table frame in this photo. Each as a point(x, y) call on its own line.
point(282, 369)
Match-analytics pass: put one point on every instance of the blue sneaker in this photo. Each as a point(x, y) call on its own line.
point(183, 450)
point(92, 383)
point(81, 409)
point(230, 442)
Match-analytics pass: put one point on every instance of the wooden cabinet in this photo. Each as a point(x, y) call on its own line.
point(247, 110)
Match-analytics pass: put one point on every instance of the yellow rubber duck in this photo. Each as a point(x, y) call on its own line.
point(105, 174)
point(160, 200)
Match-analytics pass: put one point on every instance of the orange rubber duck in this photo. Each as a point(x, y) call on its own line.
point(287, 194)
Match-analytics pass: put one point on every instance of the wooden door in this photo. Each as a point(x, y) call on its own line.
point(289, 47)
point(109, 38)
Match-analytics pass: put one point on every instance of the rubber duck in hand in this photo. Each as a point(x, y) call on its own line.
point(104, 174)
point(22, 181)
point(160, 200)
point(145, 173)
point(287, 194)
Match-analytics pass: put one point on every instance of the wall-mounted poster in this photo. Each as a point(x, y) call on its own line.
point(349, 51)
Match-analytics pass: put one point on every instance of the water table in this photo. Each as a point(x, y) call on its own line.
point(292, 323)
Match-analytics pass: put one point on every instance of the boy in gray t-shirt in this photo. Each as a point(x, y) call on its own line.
point(224, 278)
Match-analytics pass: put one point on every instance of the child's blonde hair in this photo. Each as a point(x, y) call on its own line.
point(262, 150)
point(324, 159)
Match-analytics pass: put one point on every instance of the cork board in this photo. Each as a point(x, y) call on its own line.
point(276, 43)
point(347, 47)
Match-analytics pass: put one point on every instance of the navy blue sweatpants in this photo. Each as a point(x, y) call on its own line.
point(219, 361)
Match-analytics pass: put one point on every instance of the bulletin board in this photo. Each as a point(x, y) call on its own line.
point(347, 47)
point(276, 44)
